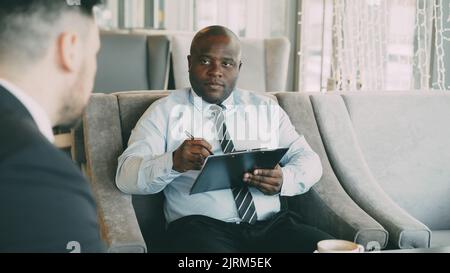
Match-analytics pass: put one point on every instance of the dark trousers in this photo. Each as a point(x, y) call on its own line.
point(283, 233)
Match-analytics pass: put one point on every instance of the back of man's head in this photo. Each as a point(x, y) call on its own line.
point(48, 48)
point(26, 25)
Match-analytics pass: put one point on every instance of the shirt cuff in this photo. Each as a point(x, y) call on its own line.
point(161, 169)
point(171, 173)
point(290, 186)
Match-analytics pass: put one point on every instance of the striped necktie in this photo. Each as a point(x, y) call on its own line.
point(242, 196)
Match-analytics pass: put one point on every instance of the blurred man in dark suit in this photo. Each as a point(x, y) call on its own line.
point(47, 66)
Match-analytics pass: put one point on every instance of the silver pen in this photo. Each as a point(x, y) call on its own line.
point(191, 137)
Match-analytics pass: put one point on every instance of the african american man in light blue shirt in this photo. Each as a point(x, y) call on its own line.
point(160, 157)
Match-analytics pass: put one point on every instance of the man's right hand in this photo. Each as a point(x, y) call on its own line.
point(191, 155)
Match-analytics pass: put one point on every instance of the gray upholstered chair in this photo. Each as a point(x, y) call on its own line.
point(265, 63)
point(391, 152)
point(132, 62)
point(125, 61)
point(136, 223)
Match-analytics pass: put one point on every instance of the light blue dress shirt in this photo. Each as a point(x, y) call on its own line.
point(253, 121)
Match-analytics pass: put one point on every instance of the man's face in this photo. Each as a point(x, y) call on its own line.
point(214, 68)
point(79, 94)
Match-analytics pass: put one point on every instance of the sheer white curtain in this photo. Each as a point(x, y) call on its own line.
point(375, 45)
point(247, 18)
point(360, 45)
point(178, 15)
point(389, 45)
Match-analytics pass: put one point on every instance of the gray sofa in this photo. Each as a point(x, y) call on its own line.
point(136, 223)
point(132, 62)
point(391, 153)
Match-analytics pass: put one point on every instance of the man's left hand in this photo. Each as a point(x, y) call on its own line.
point(267, 181)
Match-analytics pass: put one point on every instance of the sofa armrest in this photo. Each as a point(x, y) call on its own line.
point(119, 227)
point(103, 145)
point(327, 207)
point(356, 178)
point(404, 230)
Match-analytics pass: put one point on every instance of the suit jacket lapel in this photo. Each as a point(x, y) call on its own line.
point(10, 105)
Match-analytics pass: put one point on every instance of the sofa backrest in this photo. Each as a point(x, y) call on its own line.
point(298, 107)
point(403, 138)
point(132, 62)
point(265, 63)
point(148, 208)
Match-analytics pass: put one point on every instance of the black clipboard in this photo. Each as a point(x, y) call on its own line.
point(226, 171)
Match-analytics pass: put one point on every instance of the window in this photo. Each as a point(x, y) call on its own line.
point(337, 44)
point(374, 45)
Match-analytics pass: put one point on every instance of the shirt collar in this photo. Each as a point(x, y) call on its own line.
point(38, 114)
point(200, 104)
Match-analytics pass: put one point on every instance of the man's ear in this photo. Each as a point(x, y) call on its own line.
point(69, 51)
point(189, 62)
point(240, 65)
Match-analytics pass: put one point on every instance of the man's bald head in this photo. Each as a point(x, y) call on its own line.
point(215, 31)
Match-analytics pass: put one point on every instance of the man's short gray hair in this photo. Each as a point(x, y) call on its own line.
point(27, 26)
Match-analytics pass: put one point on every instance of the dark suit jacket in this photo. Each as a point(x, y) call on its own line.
point(45, 202)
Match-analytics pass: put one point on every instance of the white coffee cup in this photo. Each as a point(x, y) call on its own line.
point(338, 246)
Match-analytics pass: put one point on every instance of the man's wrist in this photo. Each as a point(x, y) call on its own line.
point(173, 162)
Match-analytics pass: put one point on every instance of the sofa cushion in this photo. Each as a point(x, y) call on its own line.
point(440, 238)
point(277, 63)
point(405, 140)
point(122, 63)
point(253, 71)
point(299, 109)
point(132, 105)
point(349, 164)
point(158, 47)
